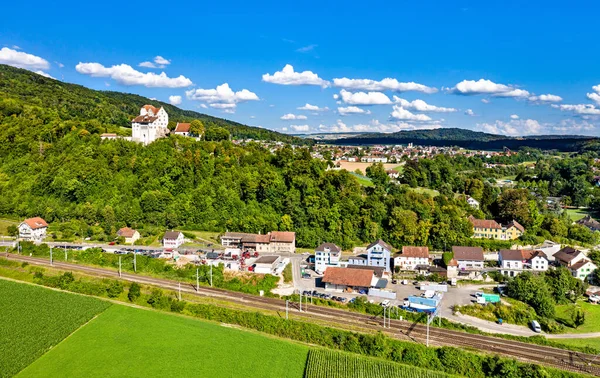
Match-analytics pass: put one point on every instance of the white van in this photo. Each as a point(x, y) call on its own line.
point(428, 294)
point(535, 326)
point(385, 303)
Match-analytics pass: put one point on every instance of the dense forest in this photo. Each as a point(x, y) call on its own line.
point(470, 139)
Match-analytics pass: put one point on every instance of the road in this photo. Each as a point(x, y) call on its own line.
point(568, 360)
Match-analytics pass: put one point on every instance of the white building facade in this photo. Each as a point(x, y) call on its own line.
point(150, 125)
point(172, 239)
point(327, 255)
point(33, 229)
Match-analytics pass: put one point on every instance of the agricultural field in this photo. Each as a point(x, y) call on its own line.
point(332, 364)
point(34, 319)
point(431, 192)
point(353, 166)
point(131, 342)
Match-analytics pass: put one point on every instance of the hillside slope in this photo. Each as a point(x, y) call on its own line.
point(112, 110)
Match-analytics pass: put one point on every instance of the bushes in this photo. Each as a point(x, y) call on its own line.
point(134, 292)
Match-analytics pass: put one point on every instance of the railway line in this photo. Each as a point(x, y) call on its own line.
point(550, 356)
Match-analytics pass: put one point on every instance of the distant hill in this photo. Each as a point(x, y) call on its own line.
point(464, 138)
point(73, 102)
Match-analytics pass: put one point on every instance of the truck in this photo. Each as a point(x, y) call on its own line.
point(488, 298)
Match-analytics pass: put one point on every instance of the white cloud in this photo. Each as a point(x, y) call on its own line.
point(594, 97)
point(469, 112)
point(545, 98)
point(127, 75)
point(300, 128)
point(383, 85)
point(584, 109)
point(352, 110)
point(336, 96)
point(513, 128)
point(175, 100)
point(284, 129)
point(364, 98)
point(160, 60)
point(40, 72)
point(514, 116)
point(59, 64)
point(203, 106)
point(518, 93)
point(147, 65)
point(222, 97)
point(422, 106)
point(376, 126)
point(596, 88)
point(287, 76)
point(483, 86)
point(306, 48)
point(291, 116)
point(16, 47)
point(570, 126)
point(22, 60)
point(402, 114)
point(485, 100)
point(313, 108)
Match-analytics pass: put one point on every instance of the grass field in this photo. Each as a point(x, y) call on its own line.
point(353, 166)
point(362, 180)
point(131, 342)
point(592, 317)
point(34, 319)
point(332, 364)
point(592, 342)
point(431, 192)
point(577, 214)
point(4, 223)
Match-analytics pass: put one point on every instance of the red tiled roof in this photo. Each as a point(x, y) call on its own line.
point(517, 226)
point(468, 253)
point(35, 223)
point(283, 236)
point(182, 128)
point(579, 264)
point(126, 232)
point(484, 223)
point(408, 251)
point(144, 119)
point(150, 107)
point(566, 254)
point(348, 276)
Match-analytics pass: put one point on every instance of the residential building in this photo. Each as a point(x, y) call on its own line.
point(472, 202)
point(374, 159)
point(412, 257)
point(150, 125)
point(172, 239)
point(590, 223)
point(379, 255)
point(182, 129)
point(33, 229)
point(576, 261)
point(266, 264)
point(358, 260)
point(514, 261)
point(327, 255)
point(109, 136)
point(272, 242)
point(490, 229)
point(468, 258)
point(129, 234)
point(513, 230)
point(282, 242)
point(349, 279)
point(583, 269)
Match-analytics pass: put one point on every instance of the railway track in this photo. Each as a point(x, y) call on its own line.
point(555, 357)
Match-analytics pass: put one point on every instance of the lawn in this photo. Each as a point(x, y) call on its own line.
point(34, 319)
point(592, 317)
point(591, 342)
point(431, 192)
point(4, 223)
point(362, 180)
point(577, 214)
point(131, 342)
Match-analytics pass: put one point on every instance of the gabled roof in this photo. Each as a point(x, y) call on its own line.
point(151, 108)
point(521, 254)
point(484, 223)
point(126, 232)
point(566, 254)
point(144, 119)
point(171, 235)
point(452, 262)
point(468, 253)
point(348, 277)
point(516, 225)
point(328, 247)
point(283, 236)
point(409, 251)
point(35, 223)
point(182, 128)
point(381, 243)
point(589, 222)
point(581, 264)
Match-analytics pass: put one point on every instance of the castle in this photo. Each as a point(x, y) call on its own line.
point(150, 125)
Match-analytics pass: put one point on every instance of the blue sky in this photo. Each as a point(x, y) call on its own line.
point(515, 68)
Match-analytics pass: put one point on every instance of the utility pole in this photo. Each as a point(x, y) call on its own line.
point(119, 265)
point(197, 279)
point(210, 275)
point(287, 308)
point(66, 258)
point(134, 262)
point(50, 255)
point(179, 290)
point(299, 292)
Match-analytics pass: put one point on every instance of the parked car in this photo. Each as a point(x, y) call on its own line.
point(478, 294)
point(112, 243)
point(385, 303)
point(352, 300)
point(595, 299)
point(306, 276)
point(362, 291)
point(315, 293)
point(535, 326)
point(344, 300)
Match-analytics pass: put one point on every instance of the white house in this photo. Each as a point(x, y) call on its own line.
point(182, 129)
point(514, 261)
point(583, 269)
point(150, 125)
point(472, 202)
point(379, 254)
point(172, 239)
point(130, 235)
point(411, 257)
point(374, 159)
point(327, 255)
point(33, 229)
point(576, 261)
point(468, 258)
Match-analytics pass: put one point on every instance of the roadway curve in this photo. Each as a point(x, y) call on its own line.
point(555, 357)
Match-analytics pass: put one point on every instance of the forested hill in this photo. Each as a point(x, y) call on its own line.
point(469, 139)
point(108, 111)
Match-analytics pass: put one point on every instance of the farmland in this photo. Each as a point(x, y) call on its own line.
point(34, 319)
point(127, 342)
point(331, 364)
point(352, 166)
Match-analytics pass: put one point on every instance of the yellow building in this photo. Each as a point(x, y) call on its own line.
point(490, 229)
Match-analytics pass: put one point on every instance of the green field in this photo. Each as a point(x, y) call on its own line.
point(588, 342)
point(362, 180)
point(592, 317)
point(34, 319)
point(431, 192)
point(332, 364)
point(577, 214)
point(4, 223)
point(131, 342)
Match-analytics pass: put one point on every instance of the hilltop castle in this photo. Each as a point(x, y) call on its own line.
point(150, 125)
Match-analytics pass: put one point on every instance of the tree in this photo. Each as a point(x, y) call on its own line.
point(114, 289)
point(377, 174)
point(134, 292)
point(172, 125)
point(216, 134)
point(12, 230)
point(513, 204)
point(578, 316)
point(196, 128)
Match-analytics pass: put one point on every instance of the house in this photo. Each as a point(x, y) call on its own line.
point(392, 173)
point(182, 129)
point(549, 247)
point(282, 242)
point(583, 269)
point(358, 260)
point(568, 256)
point(490, 229)
point(513, 230)
point(272, 242)
point(472, 202)
point(468, 258)
point(411, 257)
point(590, 223)
point(327, 255)
point(266, 264)
point(150, 125)
point(379, 255)
point(514, 261)
point(33, 229)
point(109, 136)
point(172, 239)
point(349, 279)
point(374, 159)
point(129, 234)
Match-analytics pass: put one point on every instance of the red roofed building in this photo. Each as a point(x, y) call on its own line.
point(33, 229)
point(130, 235)
point(182, 129)
point(490, 229)
point(411, 257)
point(150, 125)
point(272, 242)
point(346, 279)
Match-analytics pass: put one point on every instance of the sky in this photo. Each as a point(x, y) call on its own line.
point(503, 67)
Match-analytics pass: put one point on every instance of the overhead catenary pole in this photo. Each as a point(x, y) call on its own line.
point(119, 265)
point(210, 275)
point(287, 308)
point(179, 290)
point(66, 258)
point(134, 262)
point(197, 279)
point(50, 255)
point(299, 292)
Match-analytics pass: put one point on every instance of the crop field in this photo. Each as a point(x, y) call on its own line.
point(352, 166)
point(34, 319)
point(131, 342)
point(331, 364)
